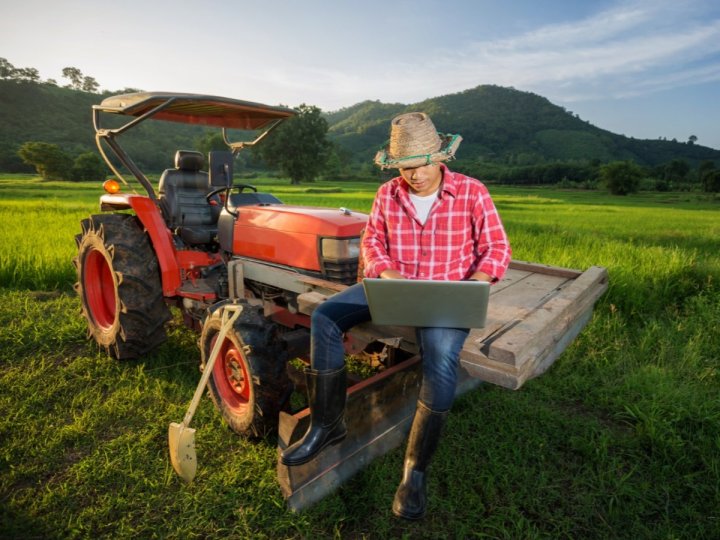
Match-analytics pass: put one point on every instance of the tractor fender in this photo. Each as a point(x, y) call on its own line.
point(160, 236)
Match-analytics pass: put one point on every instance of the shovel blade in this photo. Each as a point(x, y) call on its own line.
point(181, 440)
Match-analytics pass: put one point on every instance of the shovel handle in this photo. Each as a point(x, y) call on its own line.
point(225, 326)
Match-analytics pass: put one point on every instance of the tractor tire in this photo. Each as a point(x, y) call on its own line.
point(249, 383)
point(119, 285)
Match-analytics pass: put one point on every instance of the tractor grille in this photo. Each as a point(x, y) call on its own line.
point(344, 272)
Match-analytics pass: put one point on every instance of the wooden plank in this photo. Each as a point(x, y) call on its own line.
point(563, 332)
point(545, 269)
point(509, 279)
point(512, 304)
point(530, 335)
point(541, 363)
point(321, 283)
point(309, 301)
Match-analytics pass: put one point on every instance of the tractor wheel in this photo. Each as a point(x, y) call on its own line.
point(119, 285)
point(249, 383)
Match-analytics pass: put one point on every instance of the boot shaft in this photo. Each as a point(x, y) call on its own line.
point(424, 437)
point(327, 395)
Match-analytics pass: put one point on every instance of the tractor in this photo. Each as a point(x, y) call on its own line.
point(197, 241)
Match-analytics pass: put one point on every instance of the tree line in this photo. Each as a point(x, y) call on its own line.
point(77, 81)
point(620, 177)
point(305, 147)
point(299, 148)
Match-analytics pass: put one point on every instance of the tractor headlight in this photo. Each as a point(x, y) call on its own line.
point(337, 249)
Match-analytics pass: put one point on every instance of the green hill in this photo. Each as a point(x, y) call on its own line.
point(43, 112)
point(510, 126)
point(499, 125)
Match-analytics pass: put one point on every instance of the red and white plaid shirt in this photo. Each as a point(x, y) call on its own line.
point(462, 234)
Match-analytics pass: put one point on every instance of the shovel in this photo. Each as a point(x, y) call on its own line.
point(181, 438)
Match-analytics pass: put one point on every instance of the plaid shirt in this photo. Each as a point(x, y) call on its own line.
point(462, 234)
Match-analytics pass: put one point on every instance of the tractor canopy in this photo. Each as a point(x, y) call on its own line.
point(198, 109)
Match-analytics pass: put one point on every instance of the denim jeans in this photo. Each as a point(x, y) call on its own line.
point(439, 347)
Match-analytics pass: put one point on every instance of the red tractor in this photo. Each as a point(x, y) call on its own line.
point(198, 241)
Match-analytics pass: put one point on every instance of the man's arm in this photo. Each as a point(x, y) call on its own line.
point(374, 245)
point(493, 247)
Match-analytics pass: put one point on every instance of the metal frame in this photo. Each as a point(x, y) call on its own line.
point(110, 135)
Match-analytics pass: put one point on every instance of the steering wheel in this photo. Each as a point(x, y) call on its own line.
point(227, 190)
point(241, 187)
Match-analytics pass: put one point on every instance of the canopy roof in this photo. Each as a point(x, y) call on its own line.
point(196, 109)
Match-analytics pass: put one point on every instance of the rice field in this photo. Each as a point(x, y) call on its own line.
point(619, 439)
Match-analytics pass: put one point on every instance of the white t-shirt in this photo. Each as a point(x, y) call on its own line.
point(423, 205)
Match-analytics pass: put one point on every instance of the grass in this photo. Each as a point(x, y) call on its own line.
point(619, 439)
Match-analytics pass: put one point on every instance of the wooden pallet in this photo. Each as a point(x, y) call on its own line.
point(535, 312)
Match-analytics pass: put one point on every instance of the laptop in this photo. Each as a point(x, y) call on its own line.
point(440, 304)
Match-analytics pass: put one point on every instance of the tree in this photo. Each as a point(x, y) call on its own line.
point(711, 181)
point(709, 177)
point(7, 70)
point(27, 74)
point(88, 166)
point(676, 170)
point(621, 177)
point(211, 140)
point(75, 76)
point(89, 84)
point(692, 139)
point(298, 147)
point(49, 160)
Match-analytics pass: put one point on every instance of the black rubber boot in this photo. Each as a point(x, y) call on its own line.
point(327, 393)
point(410, 498)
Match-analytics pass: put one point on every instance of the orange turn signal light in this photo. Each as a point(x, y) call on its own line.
point(111, 186)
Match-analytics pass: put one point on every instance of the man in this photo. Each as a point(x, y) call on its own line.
point(427, 223)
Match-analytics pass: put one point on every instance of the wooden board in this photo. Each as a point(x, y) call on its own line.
point(528, 331)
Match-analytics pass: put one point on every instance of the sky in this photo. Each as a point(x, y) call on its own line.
point(641, 68)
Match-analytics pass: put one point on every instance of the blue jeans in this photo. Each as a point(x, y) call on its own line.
point(439, 347)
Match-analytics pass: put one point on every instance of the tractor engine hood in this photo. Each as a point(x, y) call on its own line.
point(297, 236)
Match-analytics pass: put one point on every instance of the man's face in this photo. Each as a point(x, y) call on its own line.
point(423, 180)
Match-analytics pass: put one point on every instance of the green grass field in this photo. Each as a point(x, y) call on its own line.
point(619, 439)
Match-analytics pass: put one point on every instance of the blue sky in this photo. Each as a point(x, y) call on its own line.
point(642, 68)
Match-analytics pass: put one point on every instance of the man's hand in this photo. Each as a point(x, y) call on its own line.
point(481, 276)
point(391, 274)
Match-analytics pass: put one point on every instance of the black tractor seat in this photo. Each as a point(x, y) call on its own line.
point(182, 196)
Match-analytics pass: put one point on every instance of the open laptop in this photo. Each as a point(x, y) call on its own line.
point(441, 304)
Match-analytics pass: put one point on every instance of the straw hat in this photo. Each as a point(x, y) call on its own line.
point(415, 142)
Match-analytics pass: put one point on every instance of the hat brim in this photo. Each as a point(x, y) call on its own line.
point(447, 151)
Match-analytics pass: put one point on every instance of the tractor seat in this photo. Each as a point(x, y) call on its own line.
point(182, 193)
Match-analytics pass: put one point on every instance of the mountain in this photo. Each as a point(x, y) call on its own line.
point(498, 125)
point(507, 125)
point(43, 112)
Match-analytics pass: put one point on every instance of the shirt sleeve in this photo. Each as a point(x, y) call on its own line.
point(374, 241)
point(493, 247)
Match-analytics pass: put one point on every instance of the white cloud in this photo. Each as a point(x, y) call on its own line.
point(645, 46)
point(633, 48)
